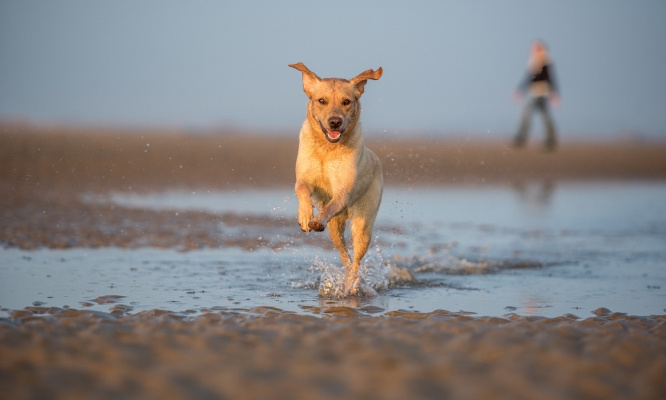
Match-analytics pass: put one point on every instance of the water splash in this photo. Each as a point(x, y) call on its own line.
point(374, 272)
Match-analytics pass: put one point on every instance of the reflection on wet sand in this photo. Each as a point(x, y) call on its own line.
point(536, 196)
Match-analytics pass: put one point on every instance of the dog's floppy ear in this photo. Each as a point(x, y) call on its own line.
point(309, 78)
point(359, 80)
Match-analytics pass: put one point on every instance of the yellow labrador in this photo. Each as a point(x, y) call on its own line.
point(335, 169)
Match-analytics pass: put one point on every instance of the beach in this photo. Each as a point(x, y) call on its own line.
point(52, 180)
point(346, 353)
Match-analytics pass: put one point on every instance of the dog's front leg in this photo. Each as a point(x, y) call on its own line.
point(305, 214)
point(333, 208)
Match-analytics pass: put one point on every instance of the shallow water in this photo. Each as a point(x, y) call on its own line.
point(533, 249)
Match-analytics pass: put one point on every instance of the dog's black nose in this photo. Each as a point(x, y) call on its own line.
point(335, 122)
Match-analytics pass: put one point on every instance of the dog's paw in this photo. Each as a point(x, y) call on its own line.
point(357, 286)
point(304, 220)
point(304, 227)
point(304, 214)
point(352, 285)
point(315, 225)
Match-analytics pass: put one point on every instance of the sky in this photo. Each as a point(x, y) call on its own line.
point(449, 66)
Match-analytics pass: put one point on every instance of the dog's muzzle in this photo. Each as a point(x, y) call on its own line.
point(334, 134)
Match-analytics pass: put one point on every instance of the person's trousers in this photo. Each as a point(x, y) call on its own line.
point(539, 104)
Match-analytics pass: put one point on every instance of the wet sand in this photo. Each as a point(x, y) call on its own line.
point(49, 352)
point(268, 354)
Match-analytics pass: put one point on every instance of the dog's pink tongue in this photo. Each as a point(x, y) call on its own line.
point(333, 134)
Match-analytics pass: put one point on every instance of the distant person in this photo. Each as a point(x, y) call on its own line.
point(540, 87)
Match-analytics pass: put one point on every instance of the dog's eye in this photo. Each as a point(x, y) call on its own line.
point(346, 102)
point(322, 101)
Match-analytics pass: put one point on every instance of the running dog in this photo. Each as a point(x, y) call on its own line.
point(335, 170)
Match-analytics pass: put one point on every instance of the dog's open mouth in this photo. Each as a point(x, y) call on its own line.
point(332, 136)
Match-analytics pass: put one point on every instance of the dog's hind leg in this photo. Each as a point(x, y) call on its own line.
point(362, 216)
point(361, 230)
point(336, 230)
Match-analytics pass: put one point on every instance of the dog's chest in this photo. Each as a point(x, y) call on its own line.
point(322, 173)
point(325, 173)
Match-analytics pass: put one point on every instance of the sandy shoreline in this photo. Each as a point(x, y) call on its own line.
point(265, 353)
point(126, 160)
point(50, 352)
